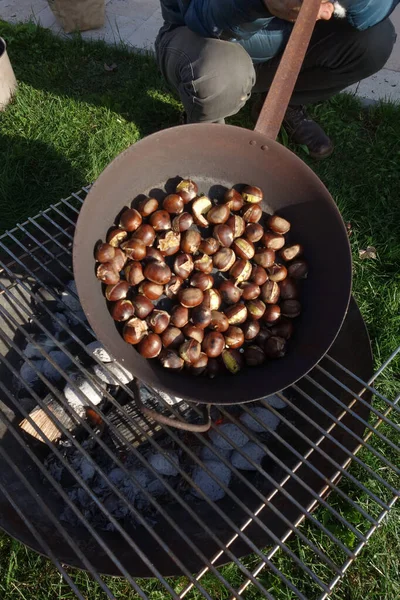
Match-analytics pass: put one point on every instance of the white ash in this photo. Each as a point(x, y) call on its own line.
point(58, 325)
point(214, 454)
point(98, 351)
point(44, 342)
point(61, 359)
point(275, 401)
point(232, 432)
point(87, 390)
point(30, 374)
point(171, 400)
point(268, 421)
point(69, 297)
point(207, 484)
point(113, 374)
point(253, 451)
point(162, 464)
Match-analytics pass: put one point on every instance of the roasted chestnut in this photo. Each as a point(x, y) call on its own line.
point(130, 219)
point(252, 213)
point(153, 254)
point(258, 275)
point(119, 259)
point(134, 273)
point(146, 234)
point(273, 241)
point(213, 344)
point(209, 246)
point(284, 329)
point(183, 265)
point(117, 291)
point(219, 321)
point(230, 293)
point(250, 329)
point(187, 189)
point(233, 199)
point(224, 259)
point(200, 366)
point(104, 253)
point(289, 289)
point(277, 272)
point(122, 310)
point(291, 252)
point(218, 214)
point(253, 232)
point(201, 317)
point(254, 356)
point(291, 308)
point(234, 337)
point(191, 331)
point(233, 360)
point(252, 194)
point(298, 269)
point(236, 314)
point(158, 321)
point(270, 292)
point(172, 337)
point(190, 351)
point(190, 241)
point(200, 208)
point(173, 204)
point(278, 224)
point(237, 225)
point(147, 206)
point(212, 299)
point(243, 248)
point(142, 305)
point(150, 346)
point(250, 291)
point(179, 316)
point(106, 273)
point(151, 290)
point(169, 243)
point(134, 249)
point(255, 309)
point(272, 313)
point(160, 220)
point(157, 272)
point(264, 257)
point(223, 234)
point(204, 264)
point(264, 334)
point(116, 236)
point(172, 288)
point(275, 347)
point(134, 330)
point(190, 297)
point(203, 281)
point(241, 270)
point(171, 360)
point(182, 222)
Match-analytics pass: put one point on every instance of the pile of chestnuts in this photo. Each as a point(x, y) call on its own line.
point(203, 285)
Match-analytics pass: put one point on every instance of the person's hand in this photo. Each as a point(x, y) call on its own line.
point(288, 10)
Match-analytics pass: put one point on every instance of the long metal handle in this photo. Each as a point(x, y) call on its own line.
point(272, 114)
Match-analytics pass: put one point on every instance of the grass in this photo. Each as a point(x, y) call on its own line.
point(69, 119)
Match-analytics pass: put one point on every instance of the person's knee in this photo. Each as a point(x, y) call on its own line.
point(375, 46)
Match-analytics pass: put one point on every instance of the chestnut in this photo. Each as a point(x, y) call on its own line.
point(277, 272)
point(272, 313)
point(134, 330)
point(190, 351)
point(190, 297)
point(255, 309)
point(218, 214)
point(234, 337)
point(224, 259)
point(214, 367)
point(209, 246)
point(169, 243)
point(173, 204)
point(151, 290)
point(252, 194)
point(104, 253)
point(150, 346)
point(236, 314)
point(147, 206)
point(278, 224)
point(146, 234)
point(199, 367)
point(273, 241)
point(243, 248)
point(258, 275)
point(182, 222)
point(117, 291)
point(130, 219)
point(187, 189)
point(134, 249)
point(233, 360)
point(253, 232)
point(160, 220)
point(298, 269)
point(213, 344)
point(230, 293)
point(200, 208)
point(172, 337)
point(289, 289)
point(264, 334)
point(264, 257)
point(233, 199)
point(179, 316)
point(158, 321)
point(172, 288)
point(251, 329)
point(241, 270)
point(183, 265)
point(219, 321)
point(275, 347)
point(106, 273)
point(223, 234)
point(116, 236)
point(291, 252)
point(153, 254)
point(251, 213)
point(190, 241)
point(204, 264)
point(212, 299)
point(201, 317)
point(250, 291)
point(171, 360)
point(291, 308)
point(157, 272)
point(134, 273)
point(284, 329)
point(122, 310)
point(254, 356)
point(270, 292)
point(191, 331)
point(203, 281)
point(237, 225)
point(142, 305)
point(119, 259)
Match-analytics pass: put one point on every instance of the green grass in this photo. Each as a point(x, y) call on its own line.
point(69, 119)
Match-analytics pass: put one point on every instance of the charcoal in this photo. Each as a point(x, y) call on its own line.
point(269, 421)
point(233, 432)
point(253, 451)
point(210, 454)
point(113, 374)
point(61, 359)
point(207, 484)
point(98, 350)
point(30, 374)
point(69, 298)
point(161, 463)
point(31, 351)
point(87, 389)
point(275, 401)
point(58, 327)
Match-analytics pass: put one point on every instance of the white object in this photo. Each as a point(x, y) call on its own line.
point(253, 451)
point(8, 83)
point(207, 484)
point(233, 432)
point(268, 420)
point(98, 350)
point(113, 374)
point(87, 390)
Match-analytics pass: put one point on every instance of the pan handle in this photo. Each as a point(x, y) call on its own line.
point(278, 98)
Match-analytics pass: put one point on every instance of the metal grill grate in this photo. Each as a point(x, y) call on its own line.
point(288, 510)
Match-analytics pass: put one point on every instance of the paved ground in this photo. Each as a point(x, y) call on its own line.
point(136, 23)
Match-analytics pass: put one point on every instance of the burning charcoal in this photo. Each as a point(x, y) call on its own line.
point(59, 327)
point(157, 488)
point(116, 476)
point(61, 359)
point(130, 489)
point(267, 418)
point(113, 374)
point(116, 507)
point(29, 374)
point(69, 297)
point(88, 389)
point(210, 454)
point(253, 451)
point(84, 467)
point(275, 401)
point(98, 350)
point(161, 463)
point(233, 432)
point(31, 351)
point(208, 485)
